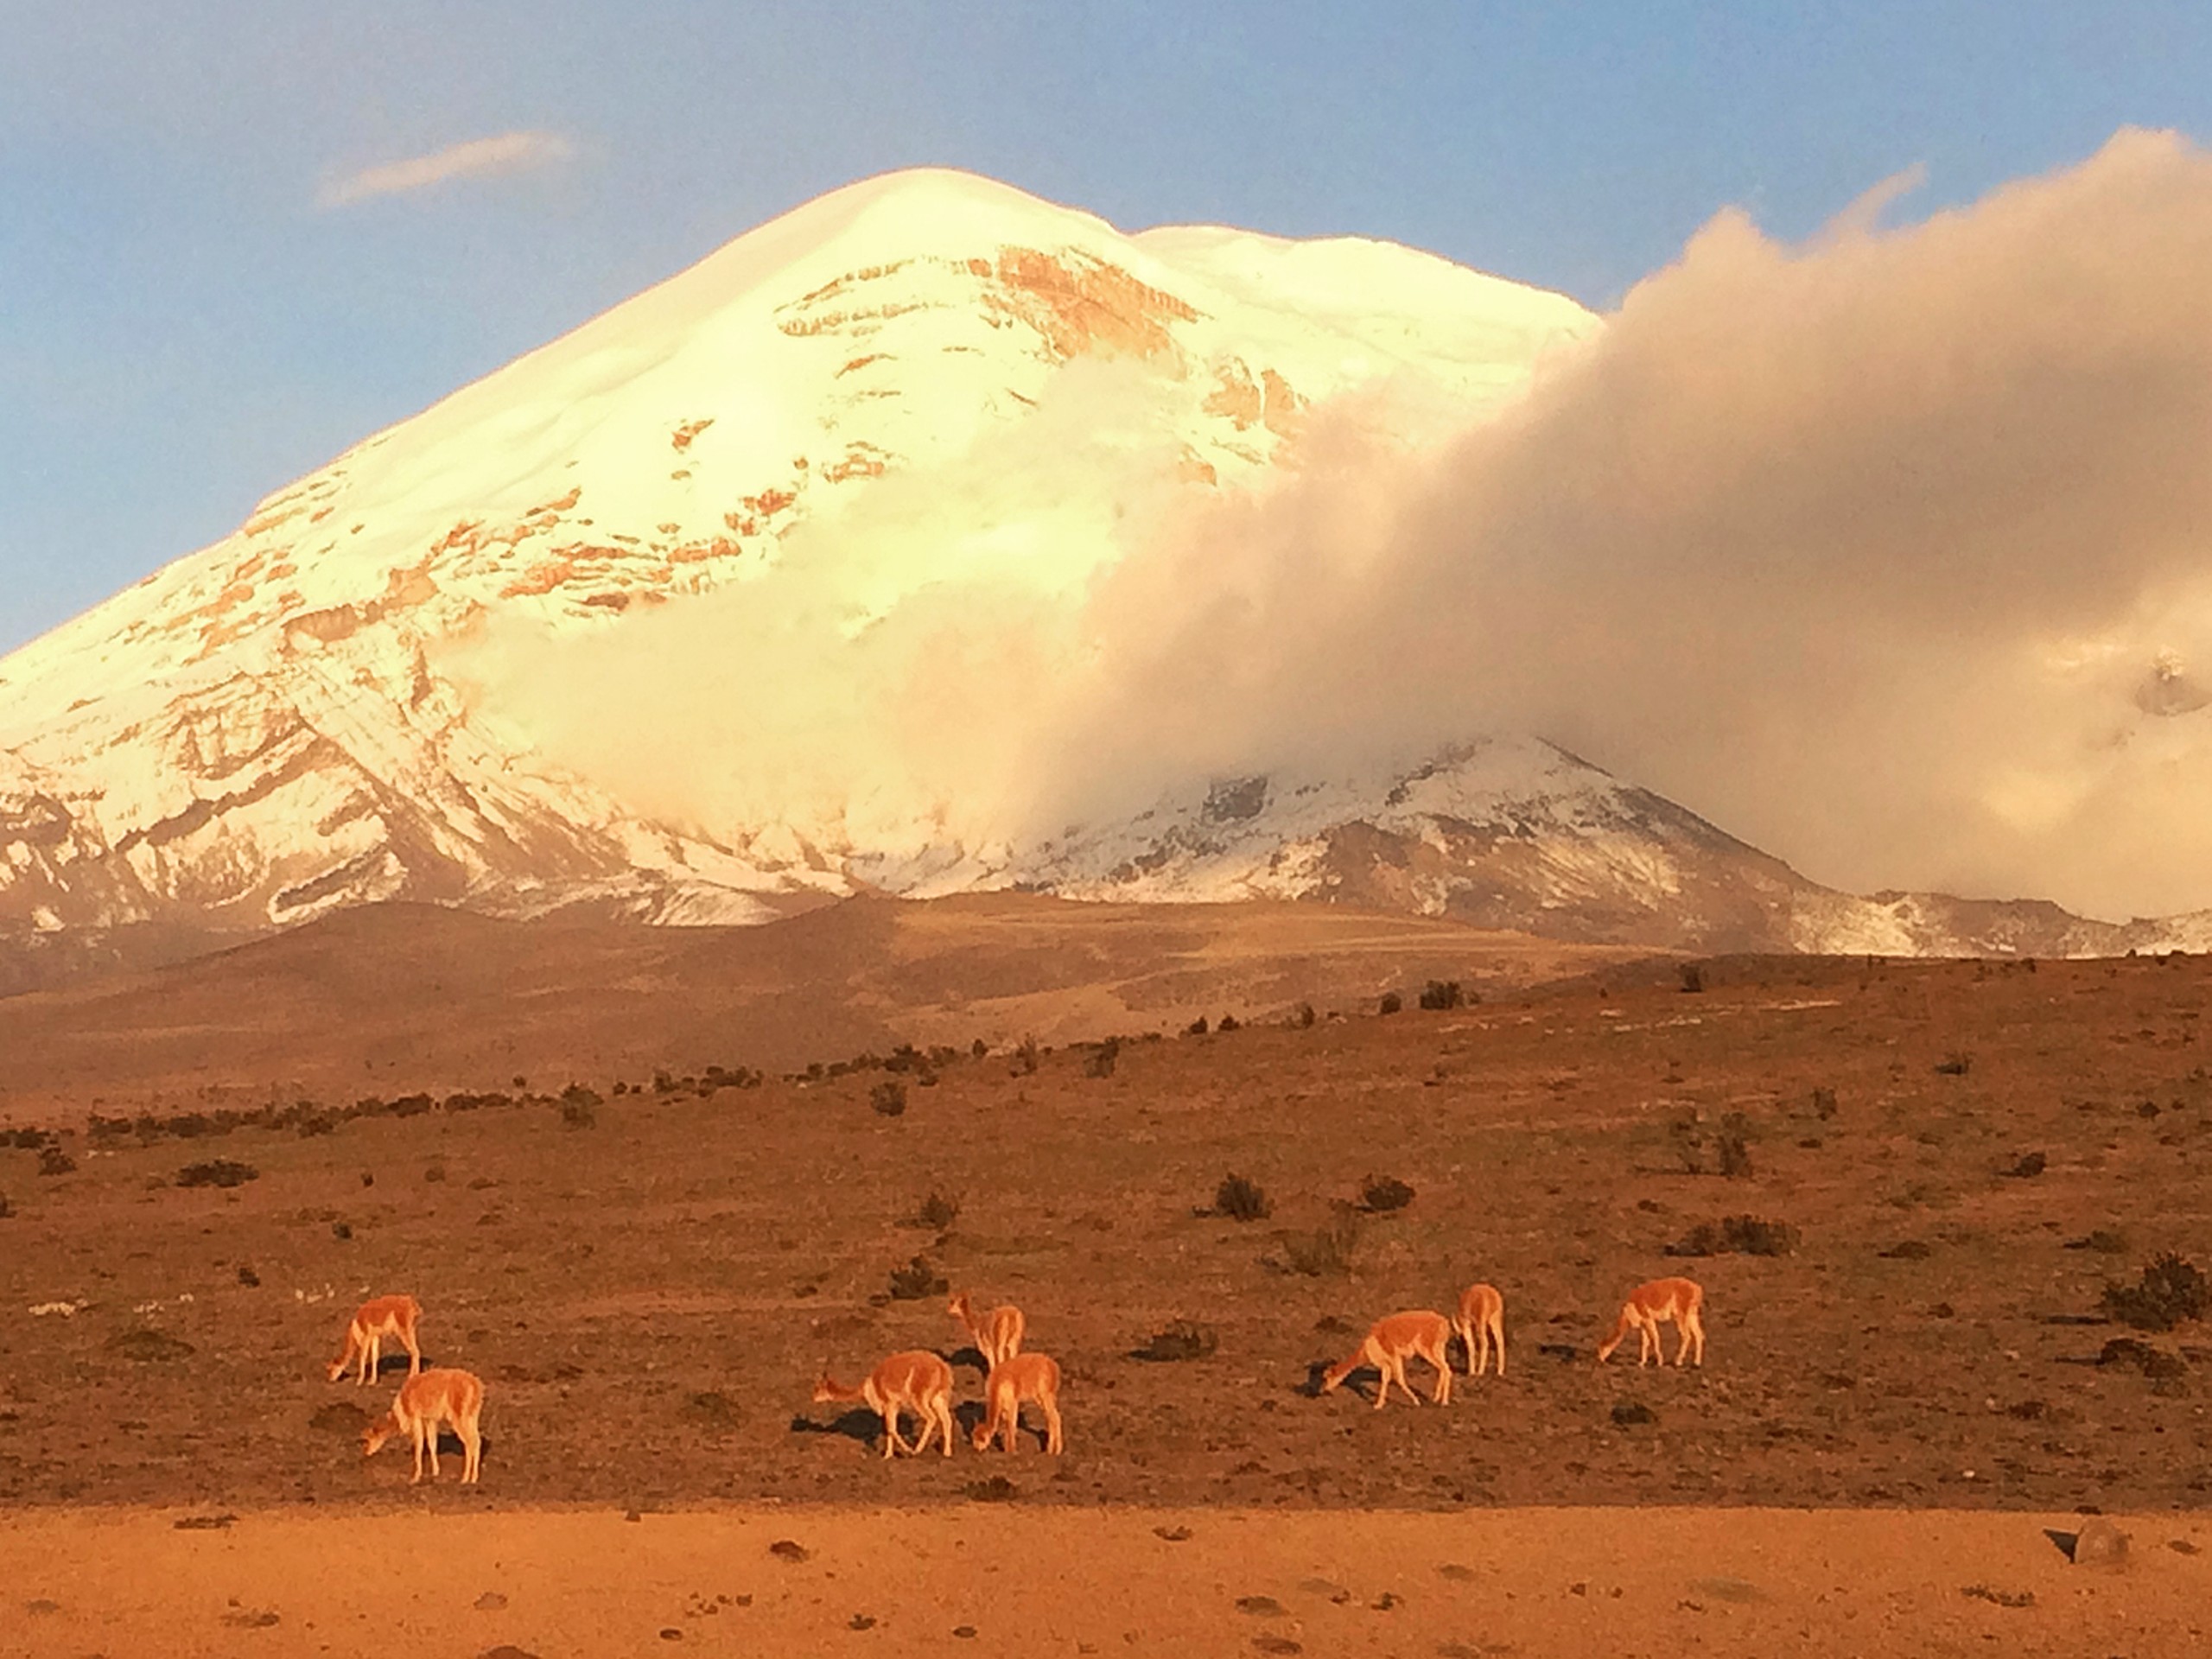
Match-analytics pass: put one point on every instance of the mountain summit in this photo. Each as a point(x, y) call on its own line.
point(297, 718)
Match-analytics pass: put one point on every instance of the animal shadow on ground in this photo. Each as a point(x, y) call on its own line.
point(396, 1363)
point(857, 1424)
point(449, 1445)
point(970, 1354)
point(1318, 1368)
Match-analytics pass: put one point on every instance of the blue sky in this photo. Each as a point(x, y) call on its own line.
point(213, 274)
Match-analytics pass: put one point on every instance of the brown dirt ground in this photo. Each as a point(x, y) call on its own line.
point(999, 1581)
point(649, 1299)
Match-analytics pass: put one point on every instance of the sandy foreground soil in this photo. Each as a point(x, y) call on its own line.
point(986, 1579)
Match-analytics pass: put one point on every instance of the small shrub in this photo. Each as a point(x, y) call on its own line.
point(939, 1211)
point(1955, 1066)
point(51, 1160)
point(579, 1107)
point(1380, 1194)
point(1824, 1103)
point(1439, 994)
point(1326, 1252)
point(1227, 1022)
point(1198, 1027)
point(888, 1098)
point(2105, 1241)
point(1692, 974)
point(1633, 1413)
point(2170, 1289)
point(6, 1208)
point(1184, 1339)
point(1733, 1145)
point(2028, 1165)
point(220, 1172)
point(996, 1489)
point(1025, 1057)
point(1304, 1017)
point(1688, 1142)
point(1392, 1002)
point(979, 1048)
point(1241, 1199)
point(1101, 1063)
point(1738, 1236)
point(915, 1280)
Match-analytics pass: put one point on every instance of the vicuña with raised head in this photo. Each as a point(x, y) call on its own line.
point(997, 1335)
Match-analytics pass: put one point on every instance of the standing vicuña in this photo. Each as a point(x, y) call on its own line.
point(1025, 1377)
point(1388, 1344)
point(918, 1382)
point(1482, 1322)
point(997, 1335)
point(387, 1316)
point(1647, 1308)
point(426, 1401)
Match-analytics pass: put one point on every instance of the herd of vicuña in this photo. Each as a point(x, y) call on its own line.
point(917, 1382)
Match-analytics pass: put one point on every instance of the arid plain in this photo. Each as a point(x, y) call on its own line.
point(720, 1171)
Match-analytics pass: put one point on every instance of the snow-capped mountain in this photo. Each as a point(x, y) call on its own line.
point(258, 732)
point(271, 728)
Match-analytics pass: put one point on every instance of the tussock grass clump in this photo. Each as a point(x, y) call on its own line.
point(51, 1160)
point(1327, 1251)
point(917, 1279)
point(1738, 1236)
point(1391, 1003)
point(1241, 1199)
point(1183, 1340)
point(1692, 974)
point(939, 1211)
point(579, 1107)
point(217, 1172)
point(1733, 1145)
point(1955, 1066)
point(1102, 1058)
point(888, 1098)
point(1439, 994)
point(1380, 1194)
point(2170, 1289)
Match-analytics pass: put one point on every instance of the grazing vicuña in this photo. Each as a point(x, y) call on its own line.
point(386, 1316)
point(1650, 1306)
point(1388, 1344)
point(917, 1380)
point(426, 1400)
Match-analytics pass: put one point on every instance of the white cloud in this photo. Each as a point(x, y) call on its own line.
point(505, 152)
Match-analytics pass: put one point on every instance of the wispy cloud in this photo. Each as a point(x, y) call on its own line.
point(505, 152)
